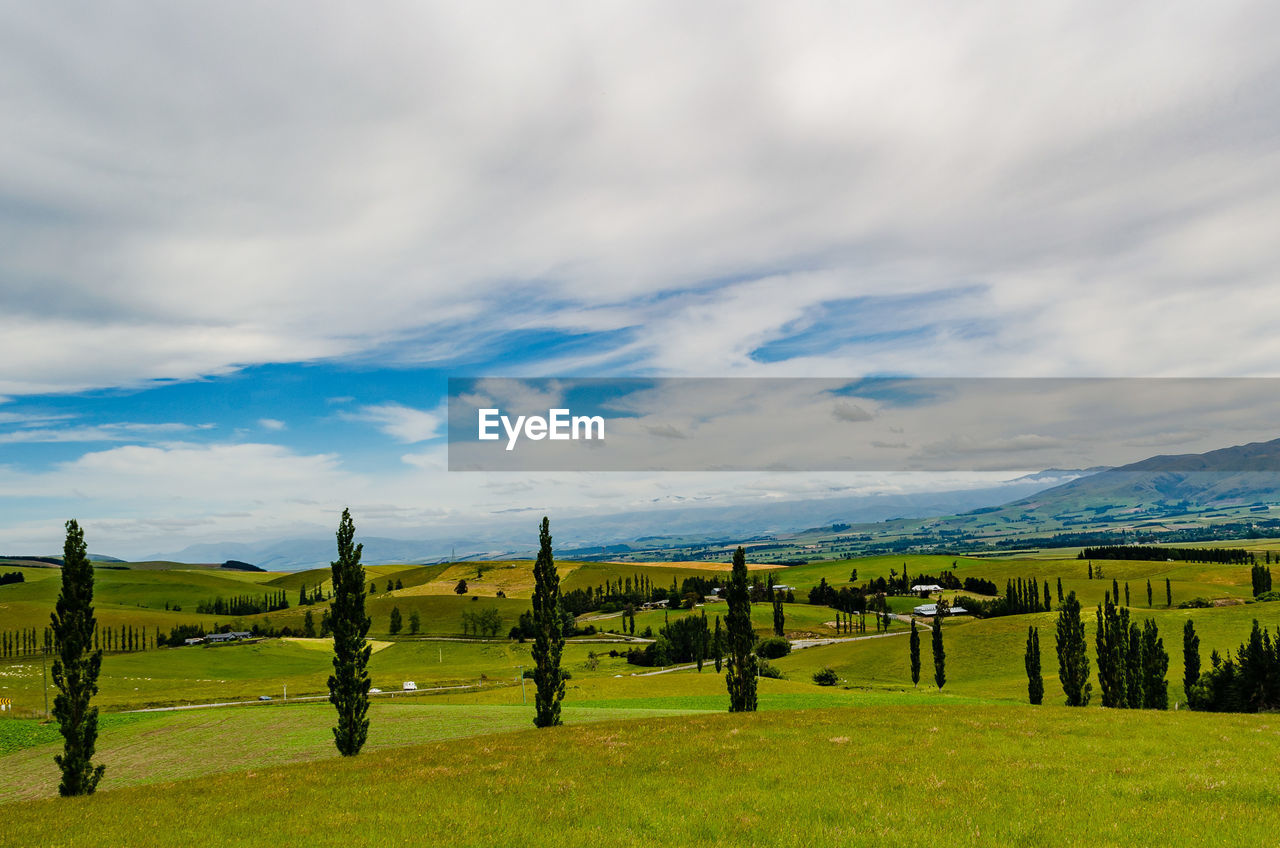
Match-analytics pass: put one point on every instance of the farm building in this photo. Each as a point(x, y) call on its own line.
point(932, 609)
point(214, 638)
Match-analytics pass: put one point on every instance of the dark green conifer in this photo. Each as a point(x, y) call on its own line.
point(548, 641)
point(939, 653)
point(1073, 654)
point(1035, 682)
point(75, 669)
point(349, 683)
point(1190, 658)
point(915, 654)
point(741, 673)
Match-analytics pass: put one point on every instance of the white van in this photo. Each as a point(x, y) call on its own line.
point(410, 686)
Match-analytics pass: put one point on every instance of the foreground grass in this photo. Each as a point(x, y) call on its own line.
point(157, 747)
point(986, 776)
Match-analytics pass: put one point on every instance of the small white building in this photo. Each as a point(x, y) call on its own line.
point(920, 588)
point(930, 610)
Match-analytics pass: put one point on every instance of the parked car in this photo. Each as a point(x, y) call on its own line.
point(375, 691)
point(264, 697)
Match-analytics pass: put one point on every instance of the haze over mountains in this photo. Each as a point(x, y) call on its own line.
point(517, 536)
point(1170, 485)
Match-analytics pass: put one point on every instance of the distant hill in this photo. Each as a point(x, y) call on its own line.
point(595, 535)
point(1235, 476)
point(54, 560)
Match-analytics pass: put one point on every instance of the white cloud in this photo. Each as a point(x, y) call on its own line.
point(271, 424)
point(402, 423)
point(124, 431)
point(1099, 175)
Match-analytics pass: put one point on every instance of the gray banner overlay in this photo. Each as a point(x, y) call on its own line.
point(880, 424)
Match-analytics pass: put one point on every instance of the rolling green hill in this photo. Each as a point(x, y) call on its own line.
point(1008, 775)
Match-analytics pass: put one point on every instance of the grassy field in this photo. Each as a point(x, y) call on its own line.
point(844, 776)
point(158, 747)
point(647, 758)
point(245, 671)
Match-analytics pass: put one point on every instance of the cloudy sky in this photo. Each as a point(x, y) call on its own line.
point(242, 247)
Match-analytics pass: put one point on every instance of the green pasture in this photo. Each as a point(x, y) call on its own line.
point(999, 775)
point(216, 673)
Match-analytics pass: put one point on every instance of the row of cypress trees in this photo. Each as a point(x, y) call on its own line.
point(1132, 661)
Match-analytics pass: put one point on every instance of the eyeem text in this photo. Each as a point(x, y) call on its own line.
point(558, 425)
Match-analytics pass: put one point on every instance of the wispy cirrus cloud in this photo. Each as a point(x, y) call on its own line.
point(112, 432)
point(402, 423)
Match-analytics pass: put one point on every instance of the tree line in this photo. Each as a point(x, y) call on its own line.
point(244, 604)
point(1246, 682)
point(1227, 556)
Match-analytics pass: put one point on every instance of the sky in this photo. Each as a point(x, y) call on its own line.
point(243, 248)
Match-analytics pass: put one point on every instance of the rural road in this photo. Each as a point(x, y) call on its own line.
point(274, 700)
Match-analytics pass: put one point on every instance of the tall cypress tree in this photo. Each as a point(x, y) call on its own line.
point(1112, 639)
point(717, 647)
point(1190, 658)
point(75, 669)
point(1059, 590)
point(1073, 654)
point(1168, 593)
point(548, 641)
point(939, 653)
point(1133, 675)
point(1155, 664)
point(741, 673)
point(779, 617)
point(915, 654)
point(1126, 593)
point(1035, 682)
point(349, 683)
point(1148, 593)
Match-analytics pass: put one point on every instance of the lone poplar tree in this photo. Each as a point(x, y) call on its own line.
point(717, 646)
point(1073, 654)
point(779, 617)
point(741, 674)
point(1035, 682)
point(349, 683)
point(1148, 593)
point(1168, 593)
point(915, 654)
point(548, 639)
point(939, 653)
point(1190, 658)
point(75, 669)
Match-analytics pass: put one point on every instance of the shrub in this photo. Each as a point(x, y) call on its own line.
point(773, 648)
point(825, 677)
point(1196, 603)
point(767, 670)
